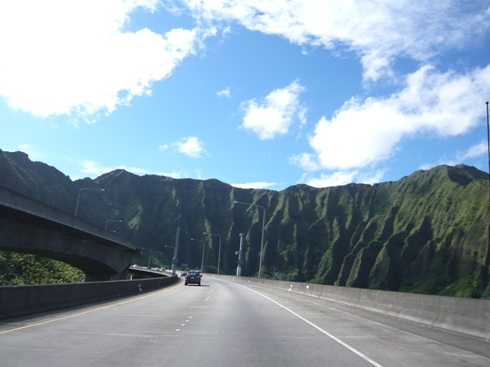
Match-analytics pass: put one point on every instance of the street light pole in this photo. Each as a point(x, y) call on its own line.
point(263, 226)
point(149, 259)
point(78, 199)
point(175, 258)
point(203, 247)
point(240, 257)
point(219, 250)
point(488, 141)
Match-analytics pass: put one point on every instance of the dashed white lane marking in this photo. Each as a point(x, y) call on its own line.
point(183, 325)
point(353, 350)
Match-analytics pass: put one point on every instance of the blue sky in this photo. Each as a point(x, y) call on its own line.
point(254, 93)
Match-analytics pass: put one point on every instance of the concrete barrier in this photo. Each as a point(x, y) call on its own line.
point(464, 315)
point(349, 296)
point(461, 315)
point(29, 299)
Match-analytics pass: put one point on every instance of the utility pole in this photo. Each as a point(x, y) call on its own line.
point(240, 257)
point(488, 141)
point(175, 258)
point(149, 259)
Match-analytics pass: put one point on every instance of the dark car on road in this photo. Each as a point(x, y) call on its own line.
point(193, 276)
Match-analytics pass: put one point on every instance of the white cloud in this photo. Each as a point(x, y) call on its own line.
point(334, 179)
point(254, 185)
point(461, 156)
point(378, 31)
point(31, 151)
point(94, 169)
point(305, 160)
point(473, 152)
point(77, 58)
point(190, 146)
point(276, 114)
point(365, 133)
point(173, 174)
point(224, 93)
point(341, 178)
point(370, 178)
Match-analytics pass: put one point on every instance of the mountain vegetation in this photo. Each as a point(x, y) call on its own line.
point(27, 269)
point(425, 233)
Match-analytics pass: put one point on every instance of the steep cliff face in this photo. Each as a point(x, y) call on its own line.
point(427, 232)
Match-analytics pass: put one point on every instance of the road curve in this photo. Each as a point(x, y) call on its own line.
point(222, 323)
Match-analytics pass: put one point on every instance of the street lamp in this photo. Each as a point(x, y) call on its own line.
point(219, 251)
point(111, 220)
point(203, 246)
point(240, 257)
point(78, 199)
point(149, 259)
point(488, 141)
point(175, 258)
point(263, 226)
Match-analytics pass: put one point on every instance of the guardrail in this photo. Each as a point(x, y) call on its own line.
point(461, 315)
point(29, 299)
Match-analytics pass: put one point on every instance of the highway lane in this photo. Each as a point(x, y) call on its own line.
point(223, 323)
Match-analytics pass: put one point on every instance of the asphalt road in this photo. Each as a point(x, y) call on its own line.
point(223, 323)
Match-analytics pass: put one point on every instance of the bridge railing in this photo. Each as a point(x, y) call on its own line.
point(30, 299)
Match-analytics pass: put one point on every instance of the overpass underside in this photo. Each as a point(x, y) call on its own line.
point(97, 261)
point(54, 234)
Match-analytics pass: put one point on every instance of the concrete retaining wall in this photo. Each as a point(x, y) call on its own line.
point(29, 299)
point(462, 315)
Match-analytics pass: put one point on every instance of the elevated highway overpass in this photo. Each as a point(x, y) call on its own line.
point(29, 226)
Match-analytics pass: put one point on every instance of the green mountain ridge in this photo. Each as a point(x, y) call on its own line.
point(425, 233)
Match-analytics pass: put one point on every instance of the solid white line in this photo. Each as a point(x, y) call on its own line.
point(456, 349)
point(353, 350)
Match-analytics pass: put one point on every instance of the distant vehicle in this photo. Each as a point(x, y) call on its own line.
point(183, 274)
point(193, 276)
